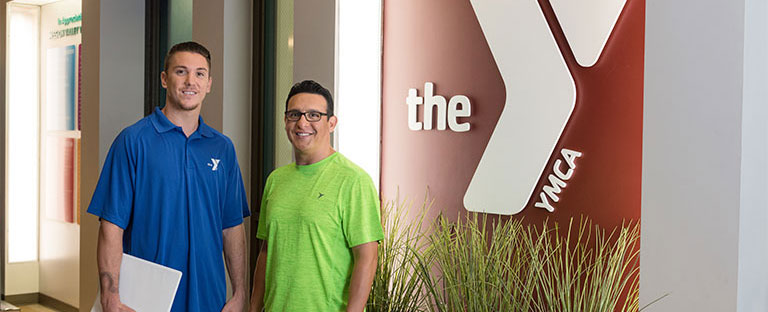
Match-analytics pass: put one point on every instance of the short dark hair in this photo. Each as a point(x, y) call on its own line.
point(189, 46)
point(311, 86)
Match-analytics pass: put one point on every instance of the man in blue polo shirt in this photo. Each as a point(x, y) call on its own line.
point(171, 192)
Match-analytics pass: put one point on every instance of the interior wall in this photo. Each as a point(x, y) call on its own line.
point(59, 241)
point(753, 216)
point(692, 156)
point(208, 31)
point(236, 95)
point(314, 37)
point(314, 48)
point(113, 97)
point(284, 67)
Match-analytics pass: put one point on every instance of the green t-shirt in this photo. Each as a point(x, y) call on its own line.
point(310, 217)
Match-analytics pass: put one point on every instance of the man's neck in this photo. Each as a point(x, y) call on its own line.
point(311, 158)
point(187, 120)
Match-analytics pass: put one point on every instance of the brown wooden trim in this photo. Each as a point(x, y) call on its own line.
point(42, 299)
point(56, 304)
point(22, 299)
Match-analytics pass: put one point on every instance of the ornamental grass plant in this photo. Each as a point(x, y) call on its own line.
point(398, 285)
point(483, 263)
point(489, 263)
point(585, 269)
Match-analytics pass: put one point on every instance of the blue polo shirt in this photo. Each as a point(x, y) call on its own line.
point(173, 196)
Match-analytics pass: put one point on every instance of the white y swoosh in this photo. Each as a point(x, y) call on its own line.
point(540, 99)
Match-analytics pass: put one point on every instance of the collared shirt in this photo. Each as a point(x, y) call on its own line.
point(173, 195)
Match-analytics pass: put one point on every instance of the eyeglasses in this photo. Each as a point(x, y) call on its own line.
point(311, 116)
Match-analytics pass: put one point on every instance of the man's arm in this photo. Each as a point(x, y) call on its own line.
point(257, 296)
point(234, 254)
point(109, 254)
point(362, 275)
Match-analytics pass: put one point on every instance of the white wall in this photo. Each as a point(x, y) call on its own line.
point(236, 97)
point(121, 70)
point(113, 98)
point(704, 152)
point(691, 154)
point(59, 241)
point(753, 216)
point(237, 81)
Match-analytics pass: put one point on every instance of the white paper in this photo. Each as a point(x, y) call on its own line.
point(145, 286)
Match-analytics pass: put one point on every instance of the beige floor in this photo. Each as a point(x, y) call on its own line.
point(36, 308)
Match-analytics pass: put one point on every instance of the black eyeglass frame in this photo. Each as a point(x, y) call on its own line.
point(305, 114)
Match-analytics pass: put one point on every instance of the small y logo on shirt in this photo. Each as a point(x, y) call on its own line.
point(214, 163)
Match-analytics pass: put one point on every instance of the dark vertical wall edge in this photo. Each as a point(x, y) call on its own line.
point(256, 146)
point(268, 76)
point(262, 135)
point(151, 55)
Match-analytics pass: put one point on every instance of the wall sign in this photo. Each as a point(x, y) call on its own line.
point(458, 106)
point(555, 119)
point(69, 31)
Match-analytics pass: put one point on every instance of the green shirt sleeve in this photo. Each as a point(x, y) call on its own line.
point(361, 216)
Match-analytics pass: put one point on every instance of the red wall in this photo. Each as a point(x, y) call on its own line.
point(440, 41)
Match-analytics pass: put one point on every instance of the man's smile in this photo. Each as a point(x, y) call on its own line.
point(304, 134)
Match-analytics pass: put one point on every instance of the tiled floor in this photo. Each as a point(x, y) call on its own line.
point(36, 308)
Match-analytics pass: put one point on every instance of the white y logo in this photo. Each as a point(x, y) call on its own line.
point(215, 163)
point(540, 97)
point(540, 92)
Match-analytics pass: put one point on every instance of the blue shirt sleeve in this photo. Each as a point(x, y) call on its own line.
point(113, 198)
point(235, 201)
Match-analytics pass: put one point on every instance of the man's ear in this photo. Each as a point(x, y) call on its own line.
point(332, 122)
point(163, 77)
point(210, 82)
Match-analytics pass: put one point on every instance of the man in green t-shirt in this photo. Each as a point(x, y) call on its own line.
point(320, 222)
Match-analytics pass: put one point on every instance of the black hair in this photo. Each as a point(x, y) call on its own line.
point(189, 46)
point(311, 86)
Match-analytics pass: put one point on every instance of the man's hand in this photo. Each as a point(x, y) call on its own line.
point(113, 304)
point(366, 256)
point(234, 304)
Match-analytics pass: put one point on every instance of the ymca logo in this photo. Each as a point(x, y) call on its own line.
point(214, 164)
point(540, 98)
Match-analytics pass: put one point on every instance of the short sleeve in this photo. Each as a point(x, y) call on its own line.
point(361, 217)
point(113, 198)
point(235, 201)
point(262, 231)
